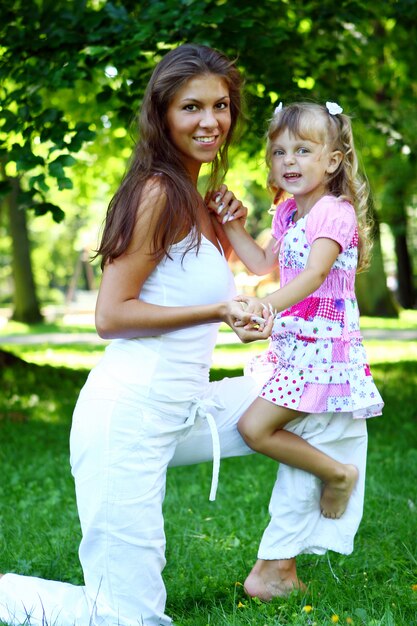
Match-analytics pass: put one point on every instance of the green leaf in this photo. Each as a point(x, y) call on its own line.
point(65, 183)
point(11, 121)
point(105, 95)
point(65, 160)
point(42, 208)
point(38, 183)
point(27, 161)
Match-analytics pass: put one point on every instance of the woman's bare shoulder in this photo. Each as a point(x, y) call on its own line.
point(153, 196)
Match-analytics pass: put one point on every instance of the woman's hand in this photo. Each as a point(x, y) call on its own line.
point(226, 207)
point(248, 326)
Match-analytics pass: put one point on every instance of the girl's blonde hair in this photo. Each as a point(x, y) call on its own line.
point(314, 122)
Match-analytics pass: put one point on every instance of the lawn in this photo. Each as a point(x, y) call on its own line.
point(211, 546)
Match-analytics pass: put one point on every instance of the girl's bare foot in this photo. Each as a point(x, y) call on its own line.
point(272, 579)
point(336, 493)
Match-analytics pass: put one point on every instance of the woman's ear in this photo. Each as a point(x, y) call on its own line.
point(335, 159)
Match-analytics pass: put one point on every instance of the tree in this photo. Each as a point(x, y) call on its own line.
point(88, 61)
point(26, 306)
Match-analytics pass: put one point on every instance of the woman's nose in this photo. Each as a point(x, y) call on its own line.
point(208, 119)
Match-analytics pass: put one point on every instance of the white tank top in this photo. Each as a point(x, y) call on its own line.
point(175, 365)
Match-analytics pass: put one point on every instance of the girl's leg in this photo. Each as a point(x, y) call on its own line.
point(262, 427)
point(296, 525)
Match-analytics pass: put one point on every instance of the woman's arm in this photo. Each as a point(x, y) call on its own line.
point(120, 313)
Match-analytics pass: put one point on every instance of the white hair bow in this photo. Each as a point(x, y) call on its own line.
point(333, 108)
point(278, 109)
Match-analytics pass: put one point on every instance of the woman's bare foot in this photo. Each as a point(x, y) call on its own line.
point(273, 579)
point(336, 493)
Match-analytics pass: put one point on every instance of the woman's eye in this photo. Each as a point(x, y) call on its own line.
point(190, 107)
point(222, 105)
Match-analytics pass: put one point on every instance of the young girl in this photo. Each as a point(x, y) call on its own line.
point(316, 357)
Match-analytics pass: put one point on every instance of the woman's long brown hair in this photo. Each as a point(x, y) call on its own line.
point(155, 154)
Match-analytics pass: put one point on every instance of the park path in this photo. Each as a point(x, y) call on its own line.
point(82, 312)
point(224, 338)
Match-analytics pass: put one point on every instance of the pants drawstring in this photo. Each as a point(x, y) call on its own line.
point(200, 409)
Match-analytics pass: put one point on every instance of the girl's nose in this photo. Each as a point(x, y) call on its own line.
point(289, 158)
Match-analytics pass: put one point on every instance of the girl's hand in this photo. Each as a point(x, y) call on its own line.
point(227, 208)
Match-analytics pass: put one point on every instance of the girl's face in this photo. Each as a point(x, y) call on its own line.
point(300, 167)
point(199, 120)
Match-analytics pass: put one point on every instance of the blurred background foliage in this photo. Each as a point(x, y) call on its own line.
point(72, 75)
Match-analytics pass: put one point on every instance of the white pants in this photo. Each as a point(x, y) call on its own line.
point(296, 525)
point(121, 446)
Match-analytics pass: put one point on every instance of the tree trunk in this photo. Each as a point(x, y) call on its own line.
point(374, 297)
point(25, 302)
point(406, 294)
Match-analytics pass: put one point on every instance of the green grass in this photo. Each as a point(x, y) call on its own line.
point(211, 546)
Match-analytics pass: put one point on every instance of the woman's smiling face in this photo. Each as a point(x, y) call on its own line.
point(199, 119)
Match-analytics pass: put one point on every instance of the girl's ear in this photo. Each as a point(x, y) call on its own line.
point(335, 159)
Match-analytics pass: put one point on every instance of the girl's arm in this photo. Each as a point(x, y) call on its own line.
point(258, 260)
point(120, 313)
point(323, 254)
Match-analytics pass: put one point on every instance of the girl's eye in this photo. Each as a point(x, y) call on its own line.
point(303, 150)
point(190, 107)
point(221, 106)
point(278, 152)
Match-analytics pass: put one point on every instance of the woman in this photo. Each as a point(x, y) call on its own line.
point(148, 403)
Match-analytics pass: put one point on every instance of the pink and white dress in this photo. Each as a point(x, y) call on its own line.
point(320, 364)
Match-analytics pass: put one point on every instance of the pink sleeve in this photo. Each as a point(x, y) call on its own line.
point(333, 219)
point(281, 219)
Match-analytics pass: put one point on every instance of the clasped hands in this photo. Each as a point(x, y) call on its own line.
point(250, 318)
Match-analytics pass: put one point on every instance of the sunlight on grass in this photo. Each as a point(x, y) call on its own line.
point(85, 323)
point(227, 356)
point(377, 351)
point(390, 351)
point(228, 353)
point(407, 320)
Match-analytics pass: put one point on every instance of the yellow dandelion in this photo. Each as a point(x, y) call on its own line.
point(335, 619)
point(307, 608)
point(240, 605)
point(414, 587)
point(349, 620)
